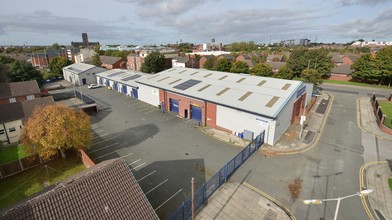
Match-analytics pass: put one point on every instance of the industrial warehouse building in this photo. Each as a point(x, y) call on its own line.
point(235, 103)
point(81, 73)
point(120, 80)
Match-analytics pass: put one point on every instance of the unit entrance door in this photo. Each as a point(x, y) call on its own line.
point(174, 105)
point(196, 113)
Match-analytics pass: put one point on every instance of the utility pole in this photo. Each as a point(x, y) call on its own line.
point(193, 198)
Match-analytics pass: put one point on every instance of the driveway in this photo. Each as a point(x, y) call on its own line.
point(163, 151)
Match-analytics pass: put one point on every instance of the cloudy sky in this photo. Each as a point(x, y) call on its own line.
point(44, 22)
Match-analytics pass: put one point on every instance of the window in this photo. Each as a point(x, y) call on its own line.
point(2, 131)
point(12, 100)
point(12, 129)
point(30, 97)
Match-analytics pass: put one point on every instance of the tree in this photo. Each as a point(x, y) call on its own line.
point(57, 64)
point(6, 59)
point(54, 128)
point(383, 63)
point(96, 61)
point(209, 64)
point(223, 65)
point(301, 59)
point(56, 46)
point(153, 63)
point(261, 69)
point(284, 73)
point(239, 67)
point(312, 76)
point(23, 71)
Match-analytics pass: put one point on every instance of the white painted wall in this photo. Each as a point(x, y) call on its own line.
point(239, 121)
point(149, 94)
point(283, 120)
point(176, 64)
point(13, 136)
point(89, 75)
point(3, 137)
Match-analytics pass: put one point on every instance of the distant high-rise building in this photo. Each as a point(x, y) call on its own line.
point(295, 42)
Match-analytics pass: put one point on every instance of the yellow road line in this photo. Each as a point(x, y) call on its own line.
point(362, 185)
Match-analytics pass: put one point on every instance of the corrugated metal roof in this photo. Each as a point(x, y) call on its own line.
point(229, 88)
point(80, 67)
point(125, 77)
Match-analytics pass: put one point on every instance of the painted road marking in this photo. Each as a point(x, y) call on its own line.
point(147, 112)
point(147, 175)
point(168, 199)
point(106, 154)
point(101, 136)
point(126, 155)
point(156, 186)
point(134, 162)
point(138, 166)
point(103, 141)
point(97, 131)
point(103, 147)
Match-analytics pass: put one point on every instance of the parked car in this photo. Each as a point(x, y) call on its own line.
point(93, 86)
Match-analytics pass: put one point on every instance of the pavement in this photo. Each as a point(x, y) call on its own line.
point(243, 201)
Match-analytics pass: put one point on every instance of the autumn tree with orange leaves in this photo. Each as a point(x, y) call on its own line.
point(54, 128)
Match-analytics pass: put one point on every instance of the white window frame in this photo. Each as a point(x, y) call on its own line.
point(12, 100)
point(30, 97)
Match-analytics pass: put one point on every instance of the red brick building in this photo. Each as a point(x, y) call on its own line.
point(134, 62)
point(112, 62)
point(42, 60)
point(19, 92)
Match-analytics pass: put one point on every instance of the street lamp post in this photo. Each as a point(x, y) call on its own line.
point(320, 201)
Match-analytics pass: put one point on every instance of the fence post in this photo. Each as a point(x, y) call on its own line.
point(21, 165)
point(204, 192)
point(378, 109)
point(225, 173)
point(382, 121)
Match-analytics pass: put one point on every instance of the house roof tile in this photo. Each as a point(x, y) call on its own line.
point(15, 89)
point(105, 191)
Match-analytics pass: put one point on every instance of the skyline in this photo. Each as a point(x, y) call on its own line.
point(44, 22)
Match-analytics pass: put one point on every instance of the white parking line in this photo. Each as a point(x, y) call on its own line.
point(138, 166)
point(156, 186)
point(101, 136)
point(127, 155)
point(103, 141)
point(147, 112)
point(134, 162)
point(103, 147)
point(168, 199)
point(97, 131)
point(147, 175)
point(106, 154)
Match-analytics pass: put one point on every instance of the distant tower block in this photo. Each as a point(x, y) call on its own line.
point(85, 39)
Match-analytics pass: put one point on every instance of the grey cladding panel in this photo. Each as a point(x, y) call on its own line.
point(187, 84)
point(130, 78)
point(75, 69)
point(115, 74)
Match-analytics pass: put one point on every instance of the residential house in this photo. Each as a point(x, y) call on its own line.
point(243, 57)
point(336, 58)
point(134, 62)
point(275, 58)
point(112, 62)
point(84, 56)
point(227, 56)
point(185, 62)
point(341, 72)
point(107, 190)
point(349, 59)
point(14, 115)
point(42, 60)
point(81, 73)
point(71, 52)
point(204, 59)
point(19, 91)
point(275, 65)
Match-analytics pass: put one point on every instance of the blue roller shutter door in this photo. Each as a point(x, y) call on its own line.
point(174, 105)
point(124, 89)
point(115, 86)
point(134, 93)
point(196, 113)
point(107, 83)
point(100, 81)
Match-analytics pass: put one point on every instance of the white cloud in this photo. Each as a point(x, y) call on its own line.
point(379, 27)
point(362, 2)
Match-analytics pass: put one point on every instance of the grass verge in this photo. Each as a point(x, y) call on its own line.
point(386, 108)
point(390, 183)
point(354, 83)
point(9, 154)
point(29, 182)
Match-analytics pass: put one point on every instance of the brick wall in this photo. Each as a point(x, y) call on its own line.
point(18, 99)
point(340, 77)
point(184, 103)
point(211, 115)
point(86, 159)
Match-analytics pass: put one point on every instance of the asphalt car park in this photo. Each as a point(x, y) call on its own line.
point(163, 151)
